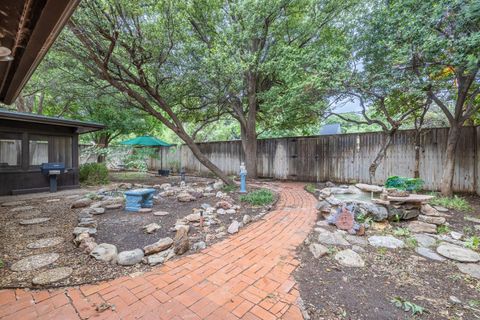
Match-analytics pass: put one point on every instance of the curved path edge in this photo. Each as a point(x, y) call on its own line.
point(246, 276)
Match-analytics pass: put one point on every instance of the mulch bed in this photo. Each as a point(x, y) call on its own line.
point(332, 291)
point(117, 227)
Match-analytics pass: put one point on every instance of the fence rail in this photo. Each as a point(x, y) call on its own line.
point(341, 158)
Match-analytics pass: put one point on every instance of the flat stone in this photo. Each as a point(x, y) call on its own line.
point(129, 258)
point(386, 242)
point(358, 249)
point(23, 208)
point(458, 253)
point(144, 210)
point(369, 187)
point(456, 235)
point(441, 209)
point(33, 221)
point(161, 213)
point(429, 254)
point(349, 258)
point(52, 276)
point(193, 217)
point(34, 262)
point(455, 300)
point(80, 203)
point(318, 250)
point(97, 211)
point(185, 197)
point(422, 227)
point(412, 198)
point(424, 240)
point(332, 238)
point(246, 219)
point(161, 257)
point(446, 238)
point(361, 241)
point(160, 245)
point(151, 228)
point(90, 231)
point(88, 224)
point(105, 252)
point(428, 210)
point(37, 230)
point(233, 228)
point(432, 219)
point(53, 200)
point(45, 243)
point(199, 246)
point(472, 219)
point(13, 203)
point(472, 269)
point(333, 201)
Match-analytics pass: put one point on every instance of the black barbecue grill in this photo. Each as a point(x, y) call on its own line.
point(52, 170)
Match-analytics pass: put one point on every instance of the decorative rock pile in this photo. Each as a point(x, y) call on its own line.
point(422, 222)
point(392, 205)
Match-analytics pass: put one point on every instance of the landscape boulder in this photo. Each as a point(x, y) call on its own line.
point(80, 203)
point(181, 243)
point(105, 252)
point(369, 187)
point(318, 250)
point(422, 227)
point(160, 257)
point(185, 197)
point(129, 258)
point(233, 228)
point(160, 245)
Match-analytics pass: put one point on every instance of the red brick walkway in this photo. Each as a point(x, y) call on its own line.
point(247, 276)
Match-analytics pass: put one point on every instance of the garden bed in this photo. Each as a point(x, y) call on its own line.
point(377, 282)
point(115, 226)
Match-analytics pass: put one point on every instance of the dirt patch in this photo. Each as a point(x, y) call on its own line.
point(332, 291)
point(117, 227)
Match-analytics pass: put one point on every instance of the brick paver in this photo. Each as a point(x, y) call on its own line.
point(247, 276)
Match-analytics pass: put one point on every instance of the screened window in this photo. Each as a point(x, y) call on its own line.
point(62, 150)
point(38, 150)
point(10, 150)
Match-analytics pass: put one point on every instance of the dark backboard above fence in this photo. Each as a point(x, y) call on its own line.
point(342, 158)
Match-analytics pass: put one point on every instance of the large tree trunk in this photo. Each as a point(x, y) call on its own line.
point(248, 128)
point(249, 144)
point(102, 142)
point(204, 160)
point(449, 165)
point(416, 170)
point(380, 155)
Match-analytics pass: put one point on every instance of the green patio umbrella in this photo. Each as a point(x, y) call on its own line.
point(146, 141)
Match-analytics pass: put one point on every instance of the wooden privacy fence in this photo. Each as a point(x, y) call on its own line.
point(340, 158)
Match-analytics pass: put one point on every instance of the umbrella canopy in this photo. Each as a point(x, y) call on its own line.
point(146, 141)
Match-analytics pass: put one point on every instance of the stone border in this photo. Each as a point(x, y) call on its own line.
point(165, 248)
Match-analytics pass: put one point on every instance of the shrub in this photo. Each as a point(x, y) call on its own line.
point(473, 242)
point(403, 183)
point(93, 173)
point(455, 203)
point(229, 188)
point(258, 197)
point(310, 188)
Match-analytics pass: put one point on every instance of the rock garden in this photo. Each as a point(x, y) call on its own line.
point(89, 236)
point(378, 253)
